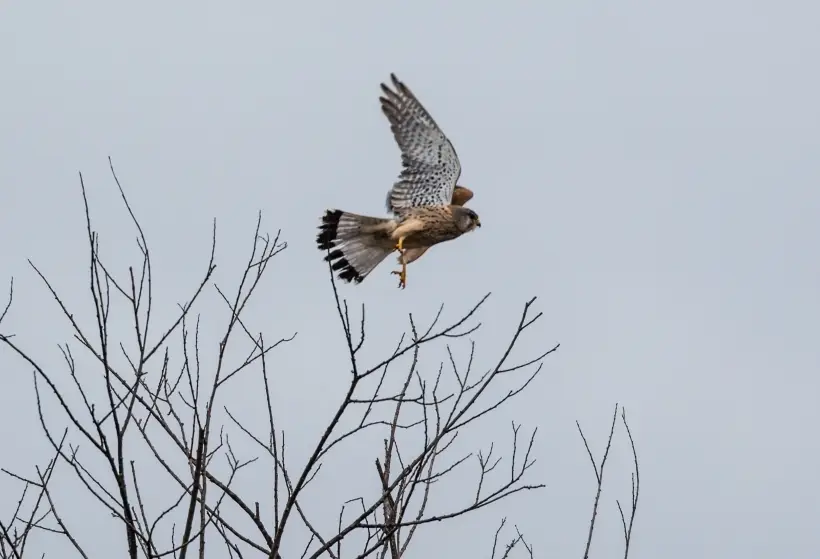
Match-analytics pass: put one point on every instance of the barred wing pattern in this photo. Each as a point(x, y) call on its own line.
point(431, 166)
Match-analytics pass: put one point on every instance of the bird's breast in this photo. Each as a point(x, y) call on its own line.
point(436, 228)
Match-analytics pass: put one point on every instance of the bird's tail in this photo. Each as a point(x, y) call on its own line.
point(357, 243)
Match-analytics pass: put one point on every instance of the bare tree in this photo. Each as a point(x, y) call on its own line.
point(149, 407)
point(599, 478)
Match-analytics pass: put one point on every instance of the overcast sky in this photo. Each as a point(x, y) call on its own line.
point(648, 169)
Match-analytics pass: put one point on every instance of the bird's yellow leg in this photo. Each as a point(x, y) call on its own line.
point(402, 275)
point(403, 272)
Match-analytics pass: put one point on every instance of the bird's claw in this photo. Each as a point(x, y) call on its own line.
point(402, 277)
point(403, 272)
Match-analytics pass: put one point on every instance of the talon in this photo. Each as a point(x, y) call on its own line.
point(402, 276)
point(403, 272)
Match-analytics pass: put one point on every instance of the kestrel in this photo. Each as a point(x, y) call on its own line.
point(426, 203)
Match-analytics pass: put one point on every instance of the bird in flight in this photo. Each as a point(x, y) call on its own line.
point(427, 205)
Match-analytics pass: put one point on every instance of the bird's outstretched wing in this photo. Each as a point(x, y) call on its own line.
point(431, 166)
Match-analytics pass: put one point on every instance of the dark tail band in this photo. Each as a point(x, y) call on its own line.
point(328, 229)
point(326, 240)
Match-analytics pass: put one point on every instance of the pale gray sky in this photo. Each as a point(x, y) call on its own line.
point(648, 169)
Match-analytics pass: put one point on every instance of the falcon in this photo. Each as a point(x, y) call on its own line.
point(427, 205)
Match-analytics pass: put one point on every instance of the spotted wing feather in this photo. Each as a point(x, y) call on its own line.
point(430, 164)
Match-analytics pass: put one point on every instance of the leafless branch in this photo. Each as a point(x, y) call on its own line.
point(599, 475)
point(636, 487)
point(150, 406)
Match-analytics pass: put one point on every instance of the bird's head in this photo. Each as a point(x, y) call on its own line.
point(466, 219)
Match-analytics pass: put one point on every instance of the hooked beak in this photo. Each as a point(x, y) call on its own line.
point(478, 222)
